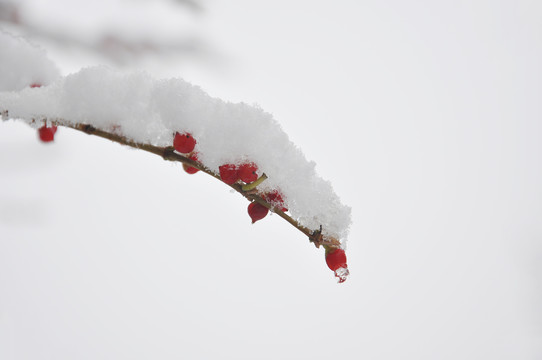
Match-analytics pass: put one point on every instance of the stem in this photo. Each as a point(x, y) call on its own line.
point(252, 185)
point(168, 153)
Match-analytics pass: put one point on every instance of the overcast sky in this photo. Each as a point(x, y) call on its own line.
point(424, 115)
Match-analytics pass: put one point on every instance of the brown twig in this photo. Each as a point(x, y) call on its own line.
point(168, 153)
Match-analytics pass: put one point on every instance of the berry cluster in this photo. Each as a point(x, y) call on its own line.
point(185, 144)
point(247, 173)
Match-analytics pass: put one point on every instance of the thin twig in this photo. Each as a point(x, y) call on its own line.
point(168, 153)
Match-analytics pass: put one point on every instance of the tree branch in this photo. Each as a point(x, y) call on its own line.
point(168, 153)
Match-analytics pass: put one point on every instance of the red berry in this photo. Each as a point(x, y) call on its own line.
point(275, 198)
point(184, 143)
point(35, 85)
point(190, 169)
point(336, 259)
point(229, 173)
point(247, 172)
point(47, 134)
point(257, 211)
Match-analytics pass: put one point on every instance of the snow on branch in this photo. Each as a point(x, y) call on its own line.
point(136, 110)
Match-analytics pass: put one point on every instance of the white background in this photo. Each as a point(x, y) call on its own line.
point(424, 115)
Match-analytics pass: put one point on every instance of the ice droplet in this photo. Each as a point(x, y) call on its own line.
point(342, 274)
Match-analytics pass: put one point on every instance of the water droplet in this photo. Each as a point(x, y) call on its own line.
point(342, 274)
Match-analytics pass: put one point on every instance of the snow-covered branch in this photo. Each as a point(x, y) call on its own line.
point(155, 115)
point(169, 153)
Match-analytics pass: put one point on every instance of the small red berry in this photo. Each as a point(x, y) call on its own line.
point(257, 211)
point(229, 173)
point(275, 198)
point(336, 259)
point(35, 85)
point(47, 134)
point(184, 143)
point(190, 169)
point(247, 172)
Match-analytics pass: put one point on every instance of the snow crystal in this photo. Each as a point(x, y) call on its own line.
point(151, 111)
point(23, 64)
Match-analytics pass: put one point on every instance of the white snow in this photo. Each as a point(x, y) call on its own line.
point(151, 111)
